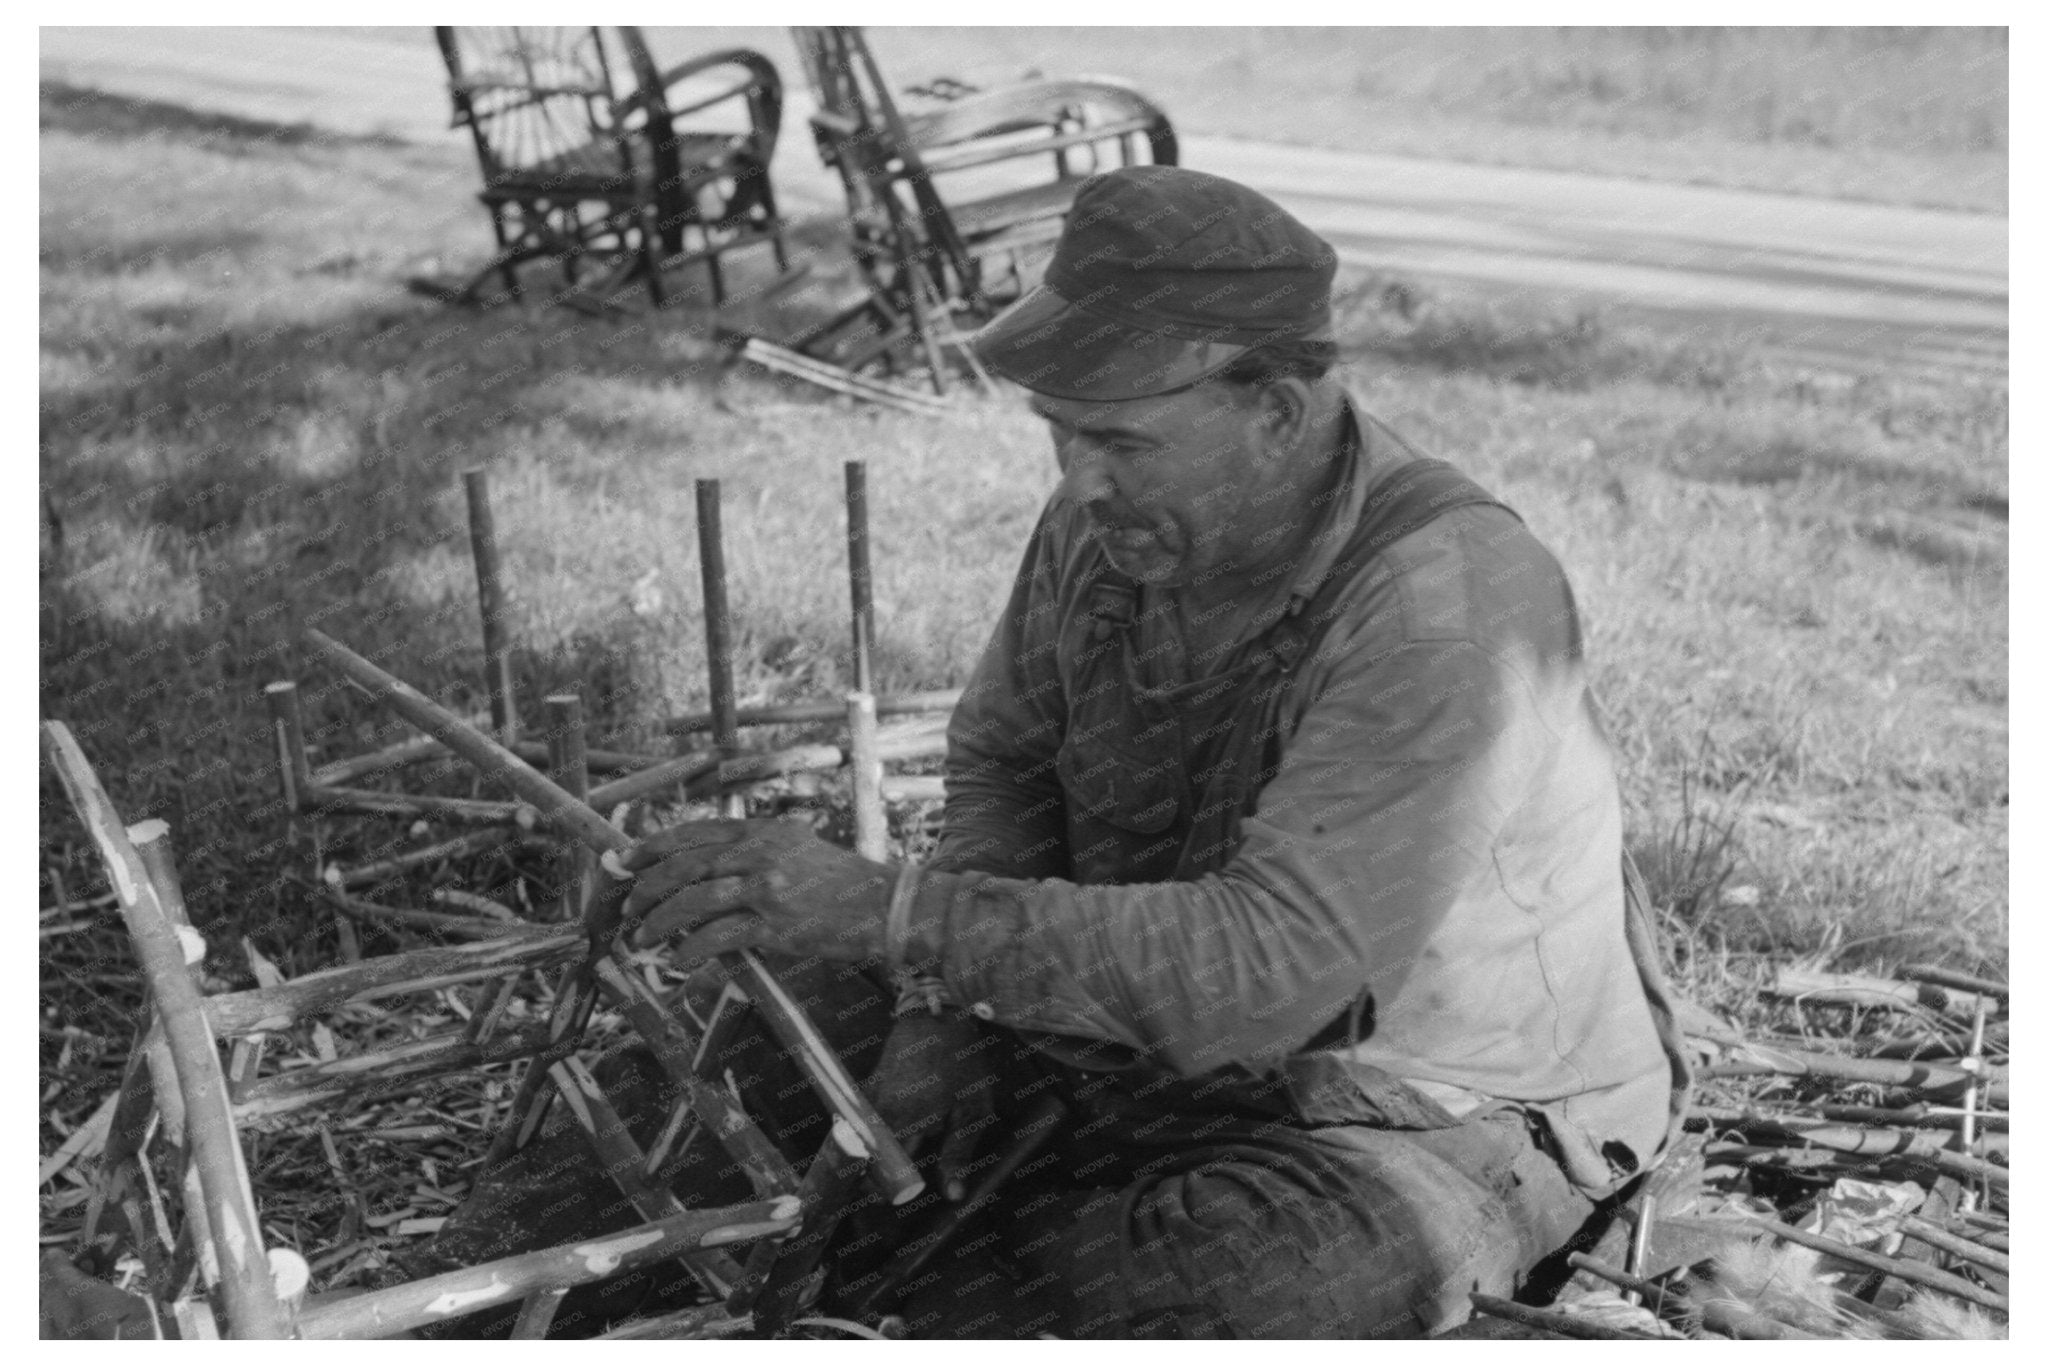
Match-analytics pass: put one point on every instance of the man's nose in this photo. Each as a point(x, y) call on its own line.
point(1084, 474)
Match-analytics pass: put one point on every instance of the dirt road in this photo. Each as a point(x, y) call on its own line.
point(1838, 285)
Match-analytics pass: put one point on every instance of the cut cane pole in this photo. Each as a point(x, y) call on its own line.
point(569, 759)
point(725, 727)
point(891, 1171)
point(237, 1236)
point(860, 575)
point(807, 713)
point(870, 824)
point(777, 1274)
point(490, 595)
point(287, 723)
point(453, 1294)
point(870, 821)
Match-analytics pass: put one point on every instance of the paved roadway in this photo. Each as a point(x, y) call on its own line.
point(1841, 285)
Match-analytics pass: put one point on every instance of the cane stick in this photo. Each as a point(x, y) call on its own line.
point(1936, 1236)
point(777, 1274)
point(246, 1290)
point(870, 825)
point(1912, 1272)
point(725, 726)
point(1974, 1064)
point(490, 596)
point(286, 722)
point(864, 772)
point(860, 574)
point(569, 758)
point(805, 713)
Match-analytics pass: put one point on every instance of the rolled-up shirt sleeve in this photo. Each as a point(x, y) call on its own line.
point(1388, 801)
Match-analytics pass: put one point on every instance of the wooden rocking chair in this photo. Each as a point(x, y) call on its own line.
point(934, 261)
point(586, 155)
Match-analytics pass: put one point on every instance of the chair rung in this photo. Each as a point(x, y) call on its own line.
point(438, 1299)
point(365, 1076)
point(266, 1008)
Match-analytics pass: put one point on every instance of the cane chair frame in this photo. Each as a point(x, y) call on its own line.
point(199, 1235)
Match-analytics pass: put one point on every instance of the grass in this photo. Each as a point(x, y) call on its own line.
point(1912, 116)
point(1795, 587)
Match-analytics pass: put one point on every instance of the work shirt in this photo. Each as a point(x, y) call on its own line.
point(1424, 882)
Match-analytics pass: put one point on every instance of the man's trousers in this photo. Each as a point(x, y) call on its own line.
point(1161, 1207)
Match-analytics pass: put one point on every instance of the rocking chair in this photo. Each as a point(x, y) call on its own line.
point(933, 262)
point(583, 161)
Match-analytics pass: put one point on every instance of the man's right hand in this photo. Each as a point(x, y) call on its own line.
point(937, 1081)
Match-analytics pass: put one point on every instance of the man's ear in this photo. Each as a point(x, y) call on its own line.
point(1284, 408)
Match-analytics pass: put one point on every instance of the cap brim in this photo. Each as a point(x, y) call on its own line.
point(1053, 347)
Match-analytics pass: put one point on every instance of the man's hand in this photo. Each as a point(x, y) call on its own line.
point(726, 885)
point(936, 1082)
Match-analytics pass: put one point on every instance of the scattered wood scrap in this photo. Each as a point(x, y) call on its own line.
point(1839, 1193)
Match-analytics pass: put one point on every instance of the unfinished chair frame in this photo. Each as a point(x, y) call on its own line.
point(209, 1265)
point(336, 788)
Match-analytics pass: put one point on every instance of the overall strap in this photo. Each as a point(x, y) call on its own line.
point(1409, 498)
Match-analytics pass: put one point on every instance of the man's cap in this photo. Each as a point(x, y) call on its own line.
point(1163, 277)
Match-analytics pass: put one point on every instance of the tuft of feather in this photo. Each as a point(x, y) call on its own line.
point(1785, 1282)
point(1930, 1314)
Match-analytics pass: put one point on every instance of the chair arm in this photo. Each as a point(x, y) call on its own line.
point(762, 90)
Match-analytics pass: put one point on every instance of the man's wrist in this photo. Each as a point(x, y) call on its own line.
point(896, 925)
point(921, 947)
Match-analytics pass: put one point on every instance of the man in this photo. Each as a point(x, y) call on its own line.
point(1282, 846)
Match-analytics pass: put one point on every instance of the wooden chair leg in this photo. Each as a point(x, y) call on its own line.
point(506, 270)
point(717, 274)
point(669, 1040)
point(127, 1131)
point(626, 1165)
point(774, 223)
point(777, 1282)
point(650, 256)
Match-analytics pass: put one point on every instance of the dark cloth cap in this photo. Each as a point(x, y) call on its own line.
point(1163, 277)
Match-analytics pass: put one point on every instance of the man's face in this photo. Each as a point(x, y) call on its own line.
point(1173, 483)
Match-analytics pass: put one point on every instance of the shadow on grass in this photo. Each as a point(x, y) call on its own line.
point(225, 461)
point(101, 113)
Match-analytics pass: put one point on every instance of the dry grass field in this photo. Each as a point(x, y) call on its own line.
point(1796, 584)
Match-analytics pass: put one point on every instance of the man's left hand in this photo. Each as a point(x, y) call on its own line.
point(773, 884)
